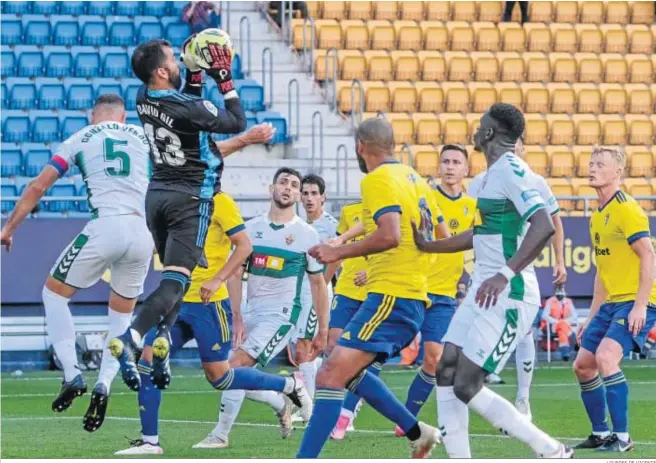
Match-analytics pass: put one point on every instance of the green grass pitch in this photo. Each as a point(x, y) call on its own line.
point(190, 407)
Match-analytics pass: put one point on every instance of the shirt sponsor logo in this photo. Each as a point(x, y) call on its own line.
point(270, 262)
point(606, 219)
point(529, 194)
point(453, 224)
point(210, 107)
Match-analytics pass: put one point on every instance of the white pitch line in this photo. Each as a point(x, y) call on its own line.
point(266, 425)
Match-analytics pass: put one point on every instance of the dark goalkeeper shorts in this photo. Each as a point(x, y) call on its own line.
point(178, 222)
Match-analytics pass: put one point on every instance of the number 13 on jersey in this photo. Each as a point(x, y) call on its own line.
point(172, 154)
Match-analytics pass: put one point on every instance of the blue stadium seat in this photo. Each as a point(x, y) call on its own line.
point(80, 96)
point(15, 128)
point(4, 96)
point(11, 163)
point(74, 8)
point(87, 65)
point(38, 33)
point(45, 7)
point(11, 32)
point(45, 129)
point(116, 65)
point(176, 33)
point(156, 8)
point(278, 122)
point(7, 191)
point(59, 65)
point(16, 7)
point(59, 189)
point(67, 33)
point(251, 95)
point(101, 8)
point(8, 64)
point(22, 96)
point(130, 97)
point(94, 33)
point(73, 124)
point(104, 89)
point(176, 8)
point(121, 34)
point(35, 161)
point(51, 97)
point(149, 31)
point(30, 64)
point(237, 67)
point(129, 8)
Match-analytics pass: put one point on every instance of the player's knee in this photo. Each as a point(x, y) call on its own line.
point(327, 375)
point(215, 371)
point(302, 353)
point(583, 368)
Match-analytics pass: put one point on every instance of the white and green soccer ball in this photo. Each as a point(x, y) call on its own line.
point(200, 46)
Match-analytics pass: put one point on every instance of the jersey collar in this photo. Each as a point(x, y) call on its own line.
point(276, 227)
point(601, 208)
point(452, 198)
point(161, 93)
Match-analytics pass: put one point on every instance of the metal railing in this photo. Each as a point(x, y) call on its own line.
point(356, 114)
point(267, 52)
point(406, 148)
point(245, 49)
point(331, 83)
point(291, 118)
point(225, 16)
point(310, 68)
point(290, 16)
point(317, 126)
point(339, 172)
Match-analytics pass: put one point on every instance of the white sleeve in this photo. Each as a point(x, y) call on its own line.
point(473, 187)
point(313, 266)
point(547, 196)
point(519, 187)
point(64, 158)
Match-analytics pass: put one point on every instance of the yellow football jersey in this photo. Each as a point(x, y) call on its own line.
point(351, 215)
point(226, 221)
point(612, 230)
point(395, 187)
point(446, 269)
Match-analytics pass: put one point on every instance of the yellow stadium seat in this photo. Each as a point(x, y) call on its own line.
point(413, 11)
point(438, 11)
point(643, 190)
point(561, 129)
point(386, 10)
point(457, 97)
point(486, 69)
point(641, 161)
point(590, 39)
point(537, 159)
point(409, 38)
point(436, 37)
point(454, 127)
point(462, 39)
point(460, 66)
point(473, 122)
point(541, 12)
point(642, 12)
point(641, 69)
point(617, 13)
point(539, 40)
point(590, 67)
point(314, 9)
point(582, 155)
point(427, 162)
point(431, 99)
point(641, 130)
point(514, 39)
point(297, 34)
point(490, 11)
point(488, 39)
point(536, 98)
point(377, 98)
point(591, 12)
point(537, 130)
point(563, 98)
point(380, 65)
point(588, 129)
point(640, 39)
point(406, 67)
point(383, 37)
point(561, 161)
point(616, 69)
point(483, 96)
point(433, 68)
point(591, 196)
point(343, 89)
point(329, 36)
point(333, 10)
point(464, 11)
point(588, 98)
point(356, 36)
point(615, 40)
point(477, 163)
point(512, 69)
point(564, 68)
point(565, 40)
point(404, 128)
point(614, 98)
point(428, 128)
point(566, 12)
point(509, 93)
point(359, 10)
point(640, 99)
point(613, 130)
point(353, 66)
point(404, 99)
point(561, 188)
point(538, 69)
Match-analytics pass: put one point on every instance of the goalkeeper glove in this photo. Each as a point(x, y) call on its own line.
point(194, 75)
point(221, 68)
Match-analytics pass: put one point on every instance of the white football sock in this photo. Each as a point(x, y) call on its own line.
point(309, 372)
point(274, 399)
point(453, 419)
point(525, 360)
point(503, 415)
point(118, 323)
point(152, 440)
point(61, 331)
point(230, 405)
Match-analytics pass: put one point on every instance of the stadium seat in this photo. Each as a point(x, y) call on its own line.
point(590, 40)
point(87, 65)
point(380, 65)
point(454, 128)
point(176, 8)
point(560, 189)
point(512, 69)
point(462, 39)
point(563, 98)
point(116, 65)
point(30, 64)
point(617, 13)
point(641, 130)
point(8, 190)
point(562, 162)
point(477, 163)
point(11, 163)
point(409, 37)
point(130, 97)
point(124, 8)
point(588, 98)
point(565, 40)
point(404, 129)
point(566, 12)
point(509, 93)
point(278, 122)
point(15, 128)
point(615, 40)
point(251, 95)
point(35, 161)
point(539, 39)
point(483, 96)
point(428, 129)
point(17, 7)
point(51, 97)
point(615, 69)
point(588, 129)
point(11, 32)
point(72, 8)
point(613, 130)
point(590, 202)
point(457, 97)
point(641, 162)
point(377, 98)
point(431, 99)
point(149, 31)
point(64, 205)
point(383, 37)
point(514, 39)
point(94, 33)
point(177, 33)
point(70, 125)
point(433, 67)
point(333, 10)
point(404, 99)
point(66, 33)
point(436, 37)
point(561, 129)
point(537, 130)
point(155, 8)
point(614, 98)
point(45, 8)
point(538, 69)
point(437, 11)
point(488, 39)
point(406, 67)
point(386, 10)
point(640, 99)
point(427, 160)
point(541, 12)
point(80, 96)
point(410, 11)
point(121, 33)
point(538, 161)
point(582, 156)
point(536, 99)
point(356, 36)
point(22, 96)
point(486, 69)
point(108, 88)
point(45, 129)
point(4, 96)
point(641, 39)
point(101, 8)
point(38, 33)
point(641, 70)
point(460, 67)
point(8, 64)
point(591, 12)
point(59, 65)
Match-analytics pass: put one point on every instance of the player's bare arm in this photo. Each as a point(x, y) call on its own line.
point(242, 248)
point(234, 285)
point(458, 243)
point(28, 200)
point(537, 236)
point(352, 233)
point(261, 133)
point(386, 236)
point(559, 271)
point(331, 269)
point(322, 307)
point(645, 251)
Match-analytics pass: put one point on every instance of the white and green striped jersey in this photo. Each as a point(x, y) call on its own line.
point(326, 227)
point(506, 197)
point(114, 161)
point(279, 263)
